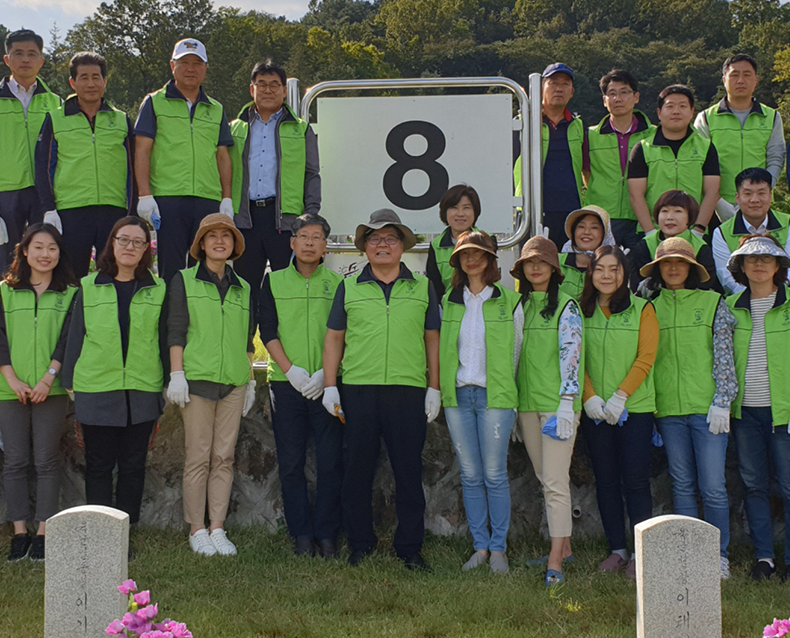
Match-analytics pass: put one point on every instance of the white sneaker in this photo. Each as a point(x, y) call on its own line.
point(200, 542)
point(221, 543)
point(725, 568)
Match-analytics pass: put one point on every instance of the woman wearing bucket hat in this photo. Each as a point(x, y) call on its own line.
point(210, 331)
point(384, 325)
point(588, 228)
point(116, 357)
point(479, 346)
point(761, 411)
point(549, 380)
point(621, 337)
point(695, 383)
point(675, 214)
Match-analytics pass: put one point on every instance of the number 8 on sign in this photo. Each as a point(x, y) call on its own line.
point(438, 179)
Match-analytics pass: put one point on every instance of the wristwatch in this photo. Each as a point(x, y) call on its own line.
point(53, 372)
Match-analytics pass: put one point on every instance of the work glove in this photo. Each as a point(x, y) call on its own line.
point(718, 420)
point(698, 233)
point(178, 389)
point(249, 397)
point(650, 232)
point(148, 209)
point(433, 402)
point(226, 207)
point(515, 434)
point(3, 232)
point(314, 388)
point(331, 402)
point(614, 408)
point(594, 408)
point(52, 217)
point(565, 418)
point(299, 378)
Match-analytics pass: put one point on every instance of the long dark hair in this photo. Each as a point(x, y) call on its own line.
point(105, 262)
point(18, 273)
point(621, 298)
point(655, 283)
point(552, 293)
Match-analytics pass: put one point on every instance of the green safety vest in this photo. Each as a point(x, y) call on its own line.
point(684, 360)
point(303, 307)
point(92, 164)
point(777, 345)
point(19, 134)
point(573, 284)
point(610, 351)
point(218, 331)
point(385, 342)
point(33, 329)
point(101, 367)
point(739, 147)
point(667, 172)
point(184, 154)
point(608, 185)
point(653, 240)
point(539, 381)
point(735, 227)
point(291, 156)
point(501, 392)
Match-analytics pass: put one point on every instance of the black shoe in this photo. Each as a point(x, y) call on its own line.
point(20, 548)
point(37, 549)
point(416, 562)
point(327, 547)
point(786, 574)
point(763, 570)
point(358, 555)
point(304, 546)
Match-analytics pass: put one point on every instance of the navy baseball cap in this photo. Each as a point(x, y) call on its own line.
point(557, 67)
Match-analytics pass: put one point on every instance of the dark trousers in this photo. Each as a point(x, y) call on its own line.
point(555, 222)
point(294, 420)
point(181, 217)
point(626, 232)
point(106, 447)
point(263, 242)
point(398, 414)
point(17, 209)
point(621, 463)
point(87, 228)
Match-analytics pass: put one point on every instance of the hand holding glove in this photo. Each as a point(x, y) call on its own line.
point(178, 389)
point(148, 209)
point(226, 207)
point(565, 418)
point(718, 420)
point(594, 407)
point(433, 402)
point(52, 217)
point(314, 388)
point(614, 408)
point(249, 397)
point(299, 378)
point(331, 402)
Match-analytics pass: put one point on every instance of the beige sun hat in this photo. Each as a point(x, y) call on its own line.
point(676, 247)
point(217, 221)
point(599, 212)
point(378, 220)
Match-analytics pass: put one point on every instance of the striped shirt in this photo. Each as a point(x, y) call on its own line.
point(756, 388)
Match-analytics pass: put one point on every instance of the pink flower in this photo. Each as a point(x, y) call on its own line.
point(778, 628)
point(147, 613)
point(156, 634)
point(127, 586)
point(137, 623)
point(143, 598)
point(178, 629)
point(115, 627)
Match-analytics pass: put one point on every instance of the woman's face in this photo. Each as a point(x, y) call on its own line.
point(537, 272)
point(129, 255)
point(674, 272)
point(607, 276)
point(673, 220)
point(42, 253)
point(760, 269)
point(473, 261)
point(461, 217)
point(588, 234)
point(218, 244)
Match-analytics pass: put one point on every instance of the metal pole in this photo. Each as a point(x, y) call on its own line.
point(293, 94)
point(535, 154)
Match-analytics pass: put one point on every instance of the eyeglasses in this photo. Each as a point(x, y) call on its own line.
point(138, 244)
point(268, 86)
point(621, 94)
point(389, 240)
point(313, 239)
point(19, 55)
point(763, 259)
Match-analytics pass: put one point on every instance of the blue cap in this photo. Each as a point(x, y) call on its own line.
point(557, 67)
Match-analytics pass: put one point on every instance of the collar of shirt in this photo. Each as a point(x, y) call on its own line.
point(272, 118)
point(567, 117)
point(484, 295)
point(18, 89)
point(631, 129)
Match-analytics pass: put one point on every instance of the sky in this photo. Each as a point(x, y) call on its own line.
point(42, 15)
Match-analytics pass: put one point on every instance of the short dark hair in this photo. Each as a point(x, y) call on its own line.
point(618, 75)
point(87, 58)
point(310, 220)
point(754, 175)
point(621, 297)
point(18, 273)
point(268, 68)
point(23, 35)
point(780, 276)
point(738, 57)
point(679, 198)
point(675, 89)
point(453, 196)
point(491, 273)
point(105, 262)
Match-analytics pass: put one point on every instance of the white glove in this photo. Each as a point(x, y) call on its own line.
point(314, 388)
point(594, 408)
point(299, 378)
point(614, 408)
point(3, 232)
point(650, 232)
point(698, 233)
point(565, 418)
point(331, 401)
point(178, 389)
point(226, 207)
point(148, 209)
point(515, 434)
point(52, 217)
point(433, 402)
point(718, 420)
point(71, 394)
point(249, 397)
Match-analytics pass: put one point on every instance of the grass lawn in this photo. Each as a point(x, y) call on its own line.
point(266, 591)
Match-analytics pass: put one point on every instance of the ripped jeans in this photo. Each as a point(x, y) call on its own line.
point(481, 436)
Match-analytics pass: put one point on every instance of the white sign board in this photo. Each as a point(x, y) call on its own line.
point(404, 152)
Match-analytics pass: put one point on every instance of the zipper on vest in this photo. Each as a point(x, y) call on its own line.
point(387, 345)
point(307, 323)
point(96, 163)
point(222, 340)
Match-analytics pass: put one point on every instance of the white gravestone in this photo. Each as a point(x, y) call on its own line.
point(87, 558)
point(678, 578)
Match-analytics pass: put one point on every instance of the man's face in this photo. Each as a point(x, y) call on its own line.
point(557, 90)
point(309, 243)
point(268, 92)
point(754, 200)
point(620, 99)
point(89, 84)
point(25, 60)
point(188, 72)
point(676, 113)
point(740, 80)
point(384, 247)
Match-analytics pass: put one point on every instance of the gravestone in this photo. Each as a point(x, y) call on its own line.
point(87, 558)
point(678, 578)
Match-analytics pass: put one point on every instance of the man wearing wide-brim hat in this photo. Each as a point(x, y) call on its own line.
point(384, 325)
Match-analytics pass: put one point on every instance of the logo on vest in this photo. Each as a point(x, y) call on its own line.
point(410, 285)
point(147, 294)
point(697, 315)
point(502, 311)
point(326, 287)
point(59, 300)
point(238, 296)
point(786, 317)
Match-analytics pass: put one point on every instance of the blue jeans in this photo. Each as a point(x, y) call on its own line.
point(481, 436)
point(756, 440)
point(696, 459)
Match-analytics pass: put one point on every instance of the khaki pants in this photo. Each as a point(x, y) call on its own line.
point(551, 459)
point(210, 432)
